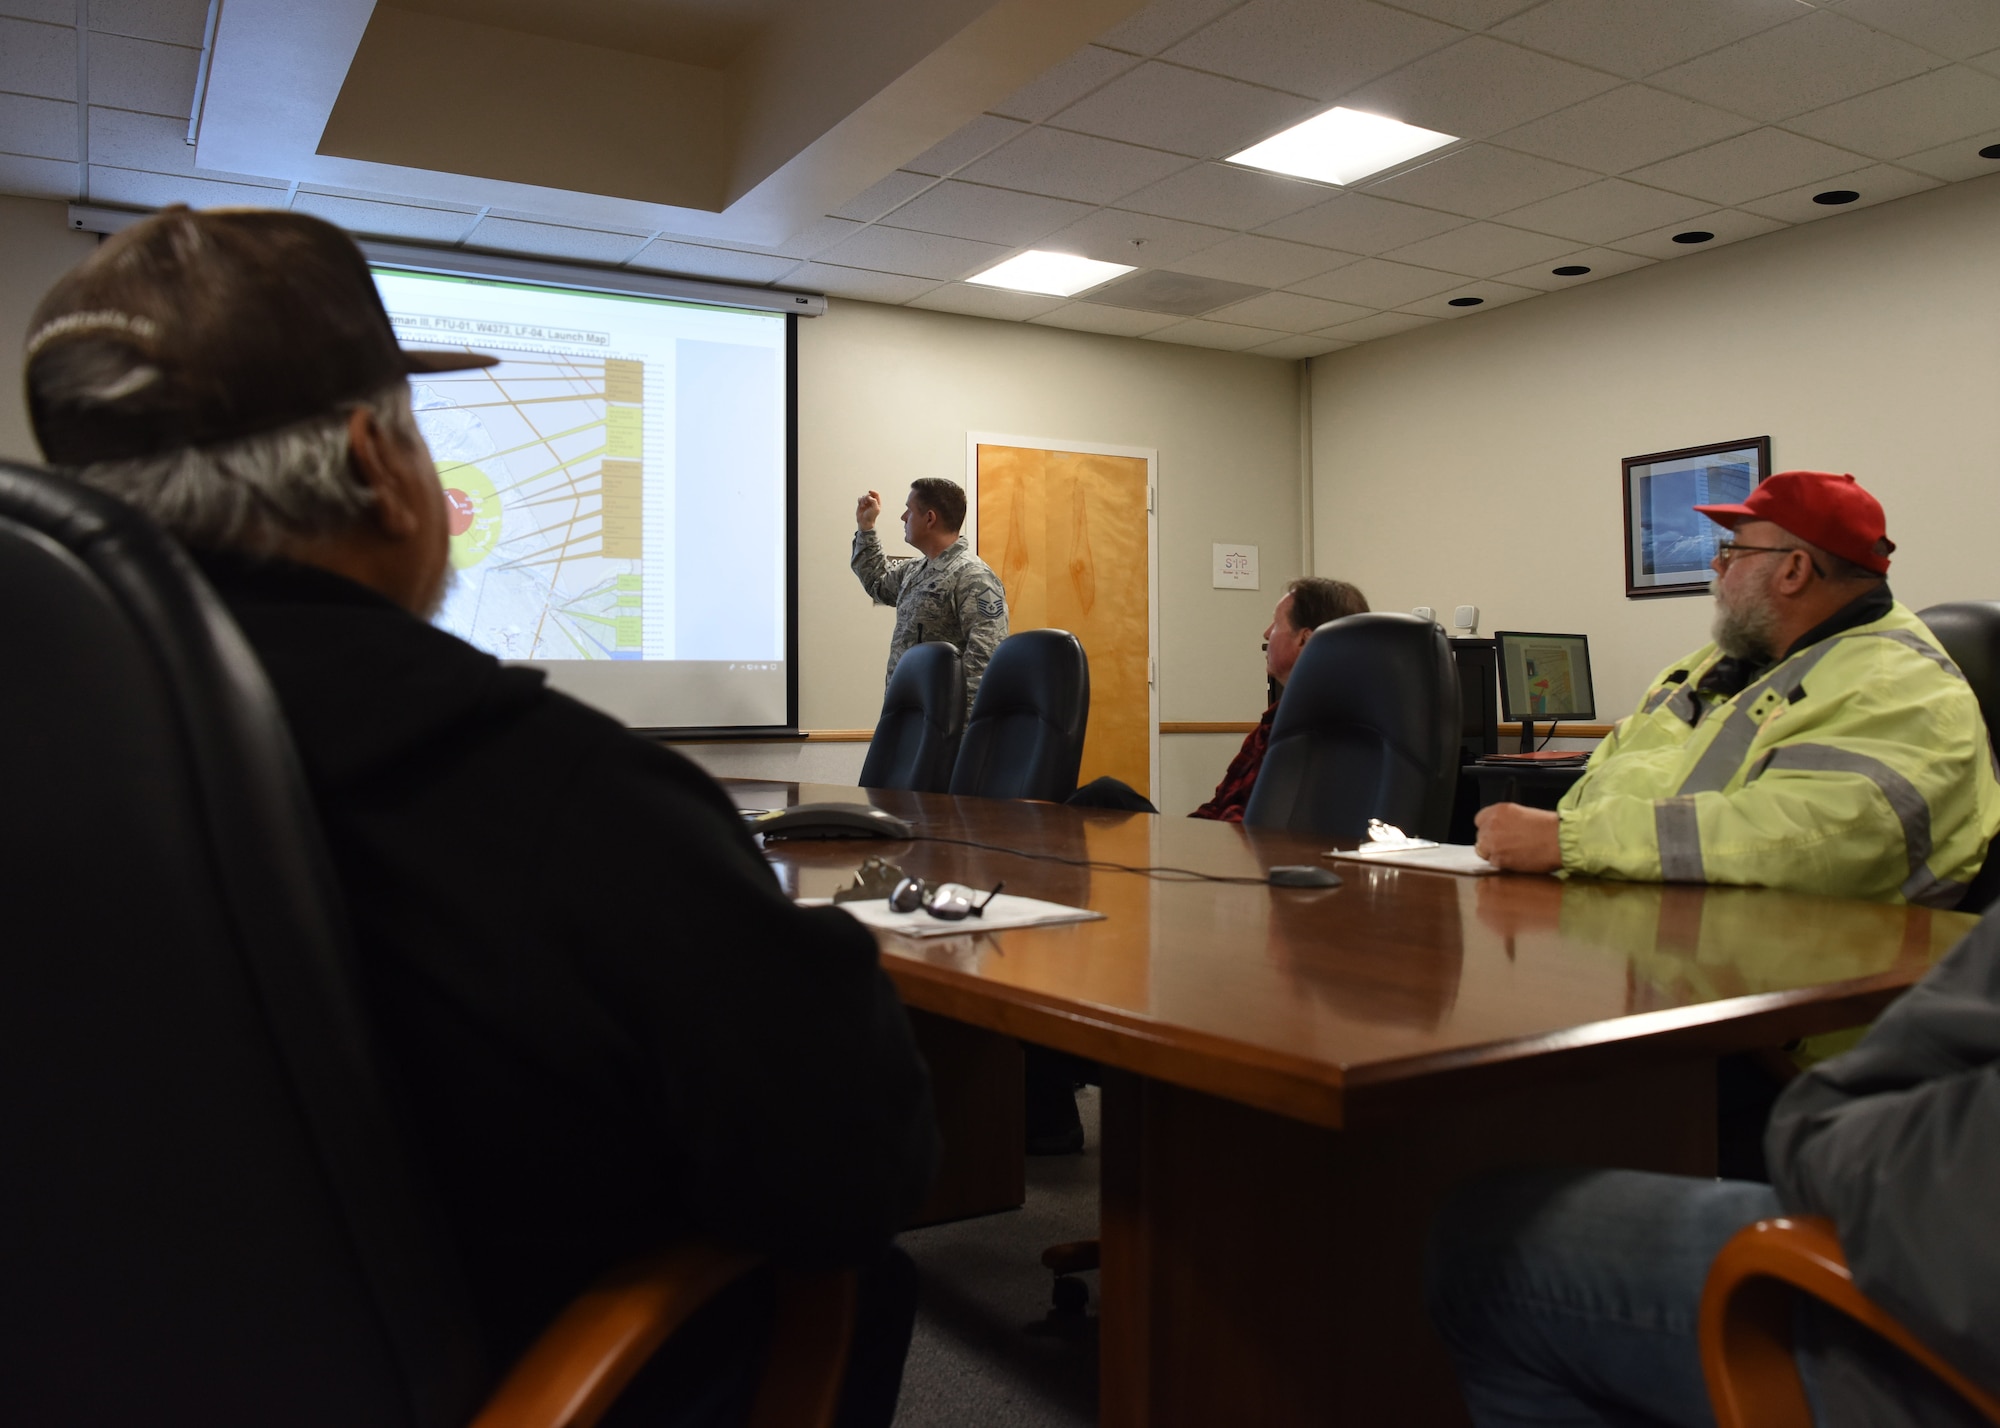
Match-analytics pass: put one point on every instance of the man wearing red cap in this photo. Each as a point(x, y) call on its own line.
point(1823, 741)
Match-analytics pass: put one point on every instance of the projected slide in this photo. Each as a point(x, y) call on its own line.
point(615, 490)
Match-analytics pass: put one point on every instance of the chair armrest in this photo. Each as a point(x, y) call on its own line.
point(1746, 1323)
point(571, 1375)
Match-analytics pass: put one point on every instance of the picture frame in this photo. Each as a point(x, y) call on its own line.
point(1669, 544)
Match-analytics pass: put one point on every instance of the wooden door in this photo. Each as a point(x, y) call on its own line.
point(1066, 533)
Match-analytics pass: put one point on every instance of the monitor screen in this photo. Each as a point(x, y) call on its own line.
point(1545, 676)
point(619, 491)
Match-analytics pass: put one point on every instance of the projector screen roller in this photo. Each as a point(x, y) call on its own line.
point(618, 490)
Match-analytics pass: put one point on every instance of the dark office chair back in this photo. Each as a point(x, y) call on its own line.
point(1969, 630)
point(204, 1214)
point(1025, 736)
point(923, 718)
point(1368, 727)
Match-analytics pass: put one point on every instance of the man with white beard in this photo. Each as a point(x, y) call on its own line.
point(1823, 742)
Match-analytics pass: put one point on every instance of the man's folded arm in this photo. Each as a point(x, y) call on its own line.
point(786, 1071)
point(1898, 1141)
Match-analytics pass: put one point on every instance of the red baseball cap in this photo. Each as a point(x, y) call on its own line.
point(1830, 510)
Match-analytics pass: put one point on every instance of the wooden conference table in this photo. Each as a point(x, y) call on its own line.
point(1294, 1077)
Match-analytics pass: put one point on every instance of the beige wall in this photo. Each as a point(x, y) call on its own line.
point(888, 394)
point(1476, 461)
point(36, 248)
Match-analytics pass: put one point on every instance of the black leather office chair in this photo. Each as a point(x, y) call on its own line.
point(1368, 727)
point(206, 1216)
point(1025, 736)
point(923, 718)
point(1969, 630)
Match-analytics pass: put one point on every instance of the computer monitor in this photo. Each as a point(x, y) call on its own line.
point(1544, 677)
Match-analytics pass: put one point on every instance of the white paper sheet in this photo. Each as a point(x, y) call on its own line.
point(1442, 858)
point(1003, 912)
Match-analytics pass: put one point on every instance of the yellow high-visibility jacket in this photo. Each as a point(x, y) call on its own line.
point(1857, 766)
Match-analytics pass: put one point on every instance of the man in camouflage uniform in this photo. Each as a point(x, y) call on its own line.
point(950, 594)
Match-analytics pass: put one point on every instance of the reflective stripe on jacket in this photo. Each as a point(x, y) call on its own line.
point(1858, 766)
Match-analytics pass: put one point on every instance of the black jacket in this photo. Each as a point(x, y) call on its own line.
point(1898, 1142)
point(609, 1026)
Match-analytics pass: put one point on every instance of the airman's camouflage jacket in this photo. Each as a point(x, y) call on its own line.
point(953, 596)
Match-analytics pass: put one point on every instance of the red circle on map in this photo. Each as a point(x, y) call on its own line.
point(459, 510)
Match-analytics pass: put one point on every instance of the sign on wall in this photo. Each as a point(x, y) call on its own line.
point(1235, 567)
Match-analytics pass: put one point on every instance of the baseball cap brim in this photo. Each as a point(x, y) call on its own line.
point(1727, 516)
point(444, 359)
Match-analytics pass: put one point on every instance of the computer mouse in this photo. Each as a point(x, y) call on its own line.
point(829, 820)
point(1302, 875)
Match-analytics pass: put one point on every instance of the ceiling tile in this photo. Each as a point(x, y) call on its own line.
point(981, 136)
point(1377, 282)
point(1266, 262)
point(1602, 262)
point(1480, 181)
point(146, 190)
point(1289, 312)
point(993, 215)
point(1089, 68)
point(1958, 28)
point(1078, 166)
point(1115, 321)
point(1909, 117)
point(695, 261)
point(1111, 235)
point(1608, 209)
point(1625, 128)
point(1163, 22)
point(1764, 161)
point(38, 59)
point(52, 12)
point(1729, 225)
point(1361, 223)
point(916, 255)
point(809, 242)
point(1480, 250)
point(1382, 324)
point(1637, 40)
point(1479, 87)
point(1491, 294)
point(856, 283)
point(972, 301)
point(37, 178)
point(1159, 290)
point(37, 128)
point(1319, 47)
point(1878, 183)
point(1805, 65)
point(175, 22)
point(1199, 332)
point(1472, 14)
point(1297, 349)
point(370, 219)
point(878, 198)
point(1225, 195)
point(1990, 62)
point(126, 140)
point(553, 240)
point(140, 74)
point(1184, 111)
point(1960, 160)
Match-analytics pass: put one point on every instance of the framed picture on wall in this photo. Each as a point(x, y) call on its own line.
point(1668, 543)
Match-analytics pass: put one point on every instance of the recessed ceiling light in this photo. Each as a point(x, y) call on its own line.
point(1572, 270)
point(1693, 235)
point(1466, 302)
point(1056, 274)
point(1836, 195)
point(1341, 146)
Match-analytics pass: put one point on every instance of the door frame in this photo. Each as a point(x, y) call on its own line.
point(1151, 455)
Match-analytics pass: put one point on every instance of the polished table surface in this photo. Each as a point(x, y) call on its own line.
point(1294, 1079)
point(1342, 1005)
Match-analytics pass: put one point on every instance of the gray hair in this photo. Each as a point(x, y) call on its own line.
point(258, 493)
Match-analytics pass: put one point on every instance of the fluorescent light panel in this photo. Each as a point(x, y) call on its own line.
point(1342, 146)
point(1056, 274)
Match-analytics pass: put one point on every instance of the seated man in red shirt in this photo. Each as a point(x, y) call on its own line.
point(1306, 604)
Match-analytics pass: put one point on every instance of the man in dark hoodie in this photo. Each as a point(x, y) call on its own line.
point(609, 1027)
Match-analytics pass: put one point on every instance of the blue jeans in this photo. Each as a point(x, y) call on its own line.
point(1570, 1297)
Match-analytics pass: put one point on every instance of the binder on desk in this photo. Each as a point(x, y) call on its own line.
point(1541, 758)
